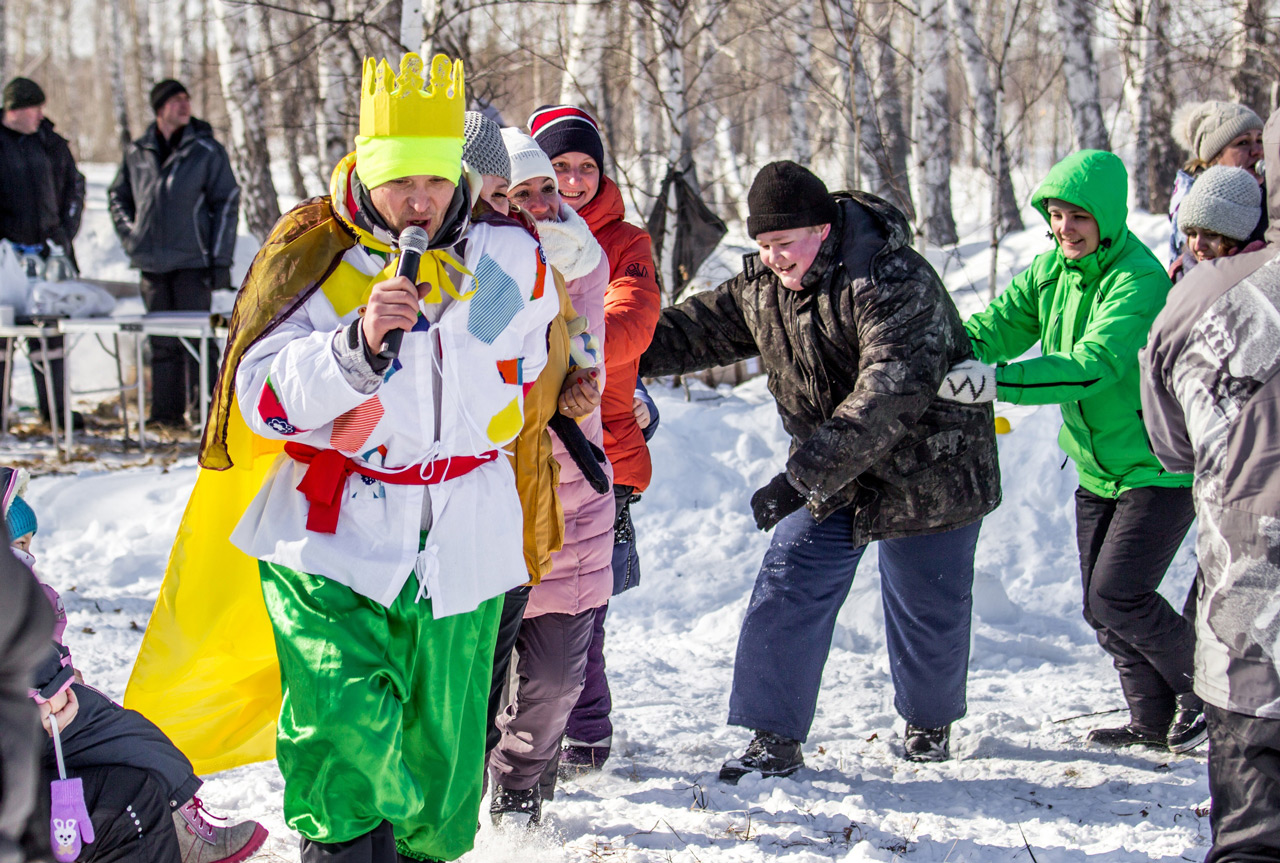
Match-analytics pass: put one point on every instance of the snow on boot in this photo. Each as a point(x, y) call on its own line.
point(1128, 735)
point(1189, 728)
point(204, 842)
point(927, 744)
point(578, 758)
point(511, 807)
point(768, 754)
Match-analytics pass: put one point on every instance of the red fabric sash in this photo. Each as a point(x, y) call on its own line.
point(328, 469)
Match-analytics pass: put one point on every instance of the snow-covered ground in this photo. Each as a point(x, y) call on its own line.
point(1022, 785)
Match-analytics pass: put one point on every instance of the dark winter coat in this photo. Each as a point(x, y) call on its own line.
point(26, 620)
point(1211, 401)
point(180, 214)
point(854, 361)
point(43, 197)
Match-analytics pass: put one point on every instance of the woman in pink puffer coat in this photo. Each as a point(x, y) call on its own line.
point(558, 621)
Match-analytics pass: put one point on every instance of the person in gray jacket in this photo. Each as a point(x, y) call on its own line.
point(1211, 404)
point(175, 204)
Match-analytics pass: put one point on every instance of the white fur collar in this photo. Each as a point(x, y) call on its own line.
point(570, 246)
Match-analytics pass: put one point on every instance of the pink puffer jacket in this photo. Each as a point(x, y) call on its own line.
point(581, 576)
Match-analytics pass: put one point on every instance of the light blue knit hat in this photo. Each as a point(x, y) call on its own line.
point(21, 519)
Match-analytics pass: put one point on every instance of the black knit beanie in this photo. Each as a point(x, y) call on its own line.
point(163, 92)
point(785, 195)
point(22, 93)
point(562, 129)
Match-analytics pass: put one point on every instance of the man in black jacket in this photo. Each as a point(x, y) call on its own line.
point(175, 204)
point(855, 331)
point(41, 202)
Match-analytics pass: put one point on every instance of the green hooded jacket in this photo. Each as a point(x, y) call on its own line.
point(1091, 316)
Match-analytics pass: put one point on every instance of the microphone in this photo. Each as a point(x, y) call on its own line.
point(413, 243)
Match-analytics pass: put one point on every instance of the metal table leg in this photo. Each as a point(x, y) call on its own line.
point(142, 407)
point(67, 343)
point(8, 380)
point(46, 366)
point(204, 383)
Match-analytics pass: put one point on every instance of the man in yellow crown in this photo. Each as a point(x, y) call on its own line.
point(389, 527)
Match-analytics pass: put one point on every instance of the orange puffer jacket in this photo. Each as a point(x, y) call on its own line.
point(631, 307)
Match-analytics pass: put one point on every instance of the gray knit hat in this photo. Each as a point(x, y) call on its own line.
point(1224, 200)
point(482, 146)
point(1205, 128)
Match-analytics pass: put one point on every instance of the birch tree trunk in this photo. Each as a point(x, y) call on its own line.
point(119, 102)
point(4, 38)
point(990, 137)
point(1249, 83)
point(1075, 18)
point(581, 84)
point(1165, 155)
point(887, 98)
point(339, 85)
point(642, 108)
point(1142, 49)
point(798, 92)
point(411, 23)
point(862, 143)
point(250, 156)
point(933, 127)
point(283, 103)
point(147, 67)
point(671, 91)
point(183, 67)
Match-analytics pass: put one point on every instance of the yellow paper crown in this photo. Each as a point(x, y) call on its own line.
point(406, 105)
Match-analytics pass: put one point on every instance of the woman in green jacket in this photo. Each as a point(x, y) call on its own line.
point(1089, 302)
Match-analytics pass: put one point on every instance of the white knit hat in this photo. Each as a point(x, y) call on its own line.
point(1205, 128)
point(528, 160)
point(482, 146)
point(1224, 200)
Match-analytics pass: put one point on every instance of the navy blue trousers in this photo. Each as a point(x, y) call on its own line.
point(927, 592)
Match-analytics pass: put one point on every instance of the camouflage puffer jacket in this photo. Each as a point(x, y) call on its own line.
point(854, 360)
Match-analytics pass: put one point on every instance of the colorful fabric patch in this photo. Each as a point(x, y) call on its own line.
point(272, 412)
point(506, 424)
point(540, 279)
point(511, 371)
point(421, 325)
point(497, 301)
point(395, 366)
point(352, 429)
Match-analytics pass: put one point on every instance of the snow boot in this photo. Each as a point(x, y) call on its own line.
point(519, 808)
point(1129, 735)
point(927, 744)
point(1189, 728)
point(768, 754)
point(578, 758)
point(204, 842)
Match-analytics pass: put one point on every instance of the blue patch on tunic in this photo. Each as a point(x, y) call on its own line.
point(496, 302)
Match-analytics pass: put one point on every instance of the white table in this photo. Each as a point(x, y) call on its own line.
point(192, 329)
point(16, 335)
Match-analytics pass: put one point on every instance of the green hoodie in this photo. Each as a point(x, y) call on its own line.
point(1090, 316)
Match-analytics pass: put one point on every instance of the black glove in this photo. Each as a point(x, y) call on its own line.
point(775, 501)
point(221, 279)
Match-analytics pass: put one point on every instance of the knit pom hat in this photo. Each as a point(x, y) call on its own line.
point(528, 160)
point(22, 93)
point(565, 129)
point(785, 195)
point(1205, 128)
point(482, 146)
point(163, 91)
point(1224, 200)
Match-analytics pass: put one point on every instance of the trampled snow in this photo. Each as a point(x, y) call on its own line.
point(1022, 781)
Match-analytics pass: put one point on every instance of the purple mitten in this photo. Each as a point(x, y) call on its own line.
point(69, 822)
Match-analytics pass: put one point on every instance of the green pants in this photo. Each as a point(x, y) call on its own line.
point(383, 715)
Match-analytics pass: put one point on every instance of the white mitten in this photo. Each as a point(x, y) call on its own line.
point(970, 382)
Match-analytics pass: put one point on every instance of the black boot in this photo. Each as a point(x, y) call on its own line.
point(927, 744)
point(768, 754)
point(376, 846)
point(1188, 728)
point(516, 807)
point(1129, 735)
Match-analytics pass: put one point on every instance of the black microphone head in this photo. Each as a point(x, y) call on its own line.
point(413, 239)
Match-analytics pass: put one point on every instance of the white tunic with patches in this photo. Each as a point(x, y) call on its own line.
point(456, 389)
